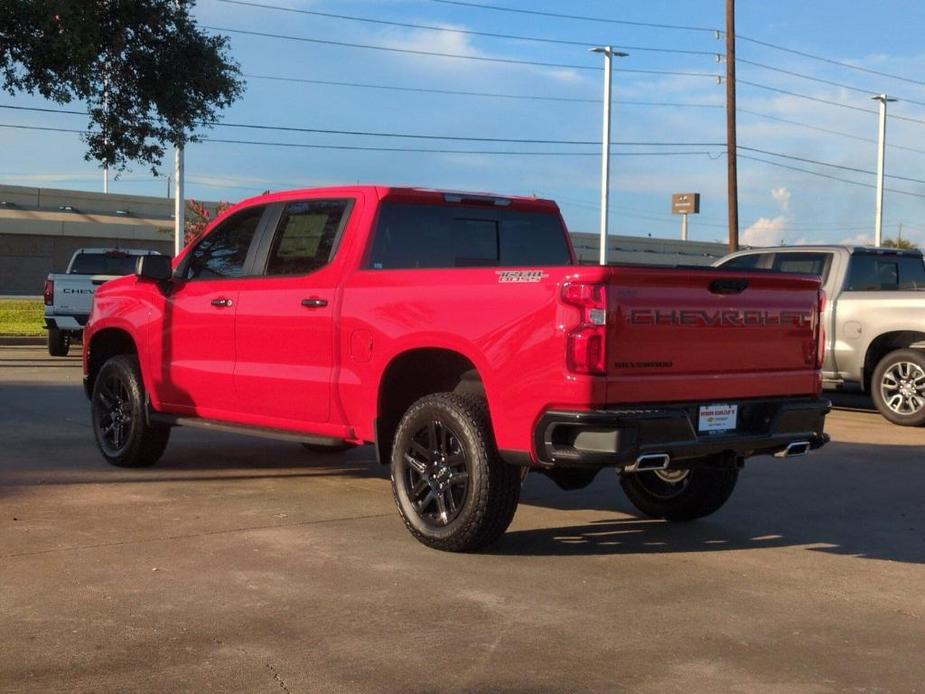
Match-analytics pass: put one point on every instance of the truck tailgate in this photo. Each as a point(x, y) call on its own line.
point(686, 334)
point(74, 293)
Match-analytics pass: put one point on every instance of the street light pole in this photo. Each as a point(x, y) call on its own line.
point(179, 204)
point(609, 53)
point(881, 163)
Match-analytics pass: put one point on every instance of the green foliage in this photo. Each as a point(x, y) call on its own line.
point(148, 75)
point(21, 317)
point(198, 217)
point(898, 243)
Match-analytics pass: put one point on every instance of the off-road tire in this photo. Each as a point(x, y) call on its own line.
point(703, 492)
point(493, 486)
point(325, 449)
point(59, 342)
point(140, 443)
point(913, 357)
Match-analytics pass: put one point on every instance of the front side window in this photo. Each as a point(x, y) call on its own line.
point(874, 273)
point(306, 237)
point(221, 254)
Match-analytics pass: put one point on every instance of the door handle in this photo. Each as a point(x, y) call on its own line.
point(314, 302)
point(222, 301)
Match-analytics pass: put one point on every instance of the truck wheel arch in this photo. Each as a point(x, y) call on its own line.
point(104, 345)
point(410, 376)
point(885, 343)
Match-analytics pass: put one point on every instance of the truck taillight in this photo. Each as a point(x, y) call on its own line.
point(586, 349)
point(48, 293)
point(820, 332)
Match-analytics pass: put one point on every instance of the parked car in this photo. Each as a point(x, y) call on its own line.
point(68, 295)
point(457, 332)
point(874, 318)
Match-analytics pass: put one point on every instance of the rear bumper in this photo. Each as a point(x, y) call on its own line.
point(620, 436)
point(75, 322)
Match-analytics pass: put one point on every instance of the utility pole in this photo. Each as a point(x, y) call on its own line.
point(179, 204)
point(609, 53)
point(732, 176)
point(881, 163)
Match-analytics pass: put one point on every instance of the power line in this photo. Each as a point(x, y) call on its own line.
point(840, 85)
point(457, 56)
point(365, 148)
point(454, 30)
point(583, 18)
point(823, 59)
point(829, 164)
point(827, 101)
point(768, 116)
point(824, 175)
point(411, 136)
point(497, 95)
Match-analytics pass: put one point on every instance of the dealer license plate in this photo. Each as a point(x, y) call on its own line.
point(717, 418)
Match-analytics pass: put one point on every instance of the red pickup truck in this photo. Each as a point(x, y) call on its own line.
point(457, 332)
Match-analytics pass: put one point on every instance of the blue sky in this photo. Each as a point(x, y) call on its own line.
point(776, 204)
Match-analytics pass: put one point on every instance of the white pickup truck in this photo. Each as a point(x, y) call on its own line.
point(68, 295)
point(874, 318)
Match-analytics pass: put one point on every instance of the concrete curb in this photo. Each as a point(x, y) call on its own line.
point(22, 341)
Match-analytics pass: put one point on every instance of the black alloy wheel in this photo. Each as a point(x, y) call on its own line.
point(436, 469)
point(114, 417)
point(123, 433)
point(452, 489)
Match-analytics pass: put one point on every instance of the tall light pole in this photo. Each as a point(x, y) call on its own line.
point(732, 158)
point(179, 204)
point(609, 53)
point(881, 162)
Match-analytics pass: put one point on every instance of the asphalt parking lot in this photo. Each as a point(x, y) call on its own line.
point(242, 564)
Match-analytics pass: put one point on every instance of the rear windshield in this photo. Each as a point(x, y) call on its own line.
point(876, 273)
point(439, 236)
point(103, 264)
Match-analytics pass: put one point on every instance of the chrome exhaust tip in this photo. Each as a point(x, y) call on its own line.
point(649, 461)
point(793, 450)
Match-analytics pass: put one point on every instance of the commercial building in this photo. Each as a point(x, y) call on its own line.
point(40, 228)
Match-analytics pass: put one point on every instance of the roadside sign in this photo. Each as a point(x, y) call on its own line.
point(685, 203)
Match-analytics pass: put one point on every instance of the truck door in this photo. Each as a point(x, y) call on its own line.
point(285, 316)
point(193, 340)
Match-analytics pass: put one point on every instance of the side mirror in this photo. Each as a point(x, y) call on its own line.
point(154, 267)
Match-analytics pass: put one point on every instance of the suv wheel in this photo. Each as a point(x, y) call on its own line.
point(898, 387)
point(59, 342)
point(123, 434)
point(452, 489)
point(681, 495)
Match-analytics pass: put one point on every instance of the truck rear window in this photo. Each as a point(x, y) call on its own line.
point(103, 264)
point(439, 236)
point(876, 273)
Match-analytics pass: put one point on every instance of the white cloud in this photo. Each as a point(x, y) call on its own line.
point(859, 240)
point(771, 231)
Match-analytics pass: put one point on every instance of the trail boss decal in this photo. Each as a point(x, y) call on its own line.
point(720, 318)
point(520, 276)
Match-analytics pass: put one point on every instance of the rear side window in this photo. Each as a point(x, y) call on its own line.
point(113, 263)
point(803, 263)
point(223, 252)
point(306, 237)
point(744, 262)
point(875, 273)
point(436, 236)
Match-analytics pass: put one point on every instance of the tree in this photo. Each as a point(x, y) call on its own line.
point(148, 75)
point(898, 243)
point(199, 217)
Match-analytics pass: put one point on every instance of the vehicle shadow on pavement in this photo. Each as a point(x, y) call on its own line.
point(851, 400)
point(839, 501)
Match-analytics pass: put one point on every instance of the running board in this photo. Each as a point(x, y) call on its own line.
point(225, 427)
